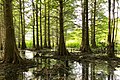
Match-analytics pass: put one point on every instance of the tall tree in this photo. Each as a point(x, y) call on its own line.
point(49, 42)
point(41, 25)
point(62, 48)
point(33, 8)
point(45, 28)
point(23, 24)
point(85, 31)
point(110, 37)
point(83, 26)
point(93, 42)
point(19, 27)
point(11, 52)
point(37, 33)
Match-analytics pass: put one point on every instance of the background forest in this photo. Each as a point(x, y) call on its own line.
point(37, 22)
point(79, 30)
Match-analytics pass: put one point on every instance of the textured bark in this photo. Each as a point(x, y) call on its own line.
point(110, 50)
point(85, 45)
point(11, 52)
point(62, 48)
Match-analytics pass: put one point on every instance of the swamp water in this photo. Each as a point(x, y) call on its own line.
point(51, 69)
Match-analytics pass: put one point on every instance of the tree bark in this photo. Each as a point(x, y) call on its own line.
point(93, 42)
point(45, 29)
point(23, 26)
point(62, 48)
point(33, 7)
point(11, 52)
point(37, 33)
point(49, 42)
point(85, 45)
point(40, 26)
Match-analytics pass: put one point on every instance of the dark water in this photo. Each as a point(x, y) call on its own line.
point(51, 69)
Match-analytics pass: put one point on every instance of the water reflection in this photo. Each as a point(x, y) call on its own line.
point(51, 69)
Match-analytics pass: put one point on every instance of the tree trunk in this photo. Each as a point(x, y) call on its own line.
point(11, 52)
point(33, 24)
point(37, 33)
point(86, 46)
point(49, 42)
point(110, 50)
point(62, 48)
point(45, 29)
point(19, 29)
point(57, 32)
point(83, 26)
point(23, 27)
point(40, 26)
point(93, 42)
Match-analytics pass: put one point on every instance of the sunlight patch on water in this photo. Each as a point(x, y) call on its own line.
point(28, 75)
point(117, 74)
point(29, 54)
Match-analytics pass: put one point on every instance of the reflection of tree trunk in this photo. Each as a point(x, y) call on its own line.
point(45, 28)
point(37, 34)
point(40, 26)
point(49, 42)
point(11, 74)
point(33, 24)
point(92, 71)
point(85, 70)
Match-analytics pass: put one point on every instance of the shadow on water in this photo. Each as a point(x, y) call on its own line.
point(52, 69)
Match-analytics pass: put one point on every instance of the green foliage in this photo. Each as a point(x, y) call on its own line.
point(29, 44)
point(73, 44)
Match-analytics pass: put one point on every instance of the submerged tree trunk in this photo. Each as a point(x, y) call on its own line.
point(62, 48)
point(11, 52)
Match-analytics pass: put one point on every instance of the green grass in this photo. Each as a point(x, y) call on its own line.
point(73, 44)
